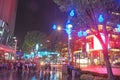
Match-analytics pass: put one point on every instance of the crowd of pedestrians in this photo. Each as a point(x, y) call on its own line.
point(26, 70)
point(17, 65)
point(23, 66)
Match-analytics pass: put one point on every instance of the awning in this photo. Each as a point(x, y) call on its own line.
point(6, 48)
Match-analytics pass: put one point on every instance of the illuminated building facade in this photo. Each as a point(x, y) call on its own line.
point(8, 10)
point(90, 48)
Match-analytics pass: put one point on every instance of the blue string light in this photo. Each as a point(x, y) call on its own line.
point(72, 13)
point(84, 33)
point(68, 29)
point(80, 33)
point(54, 27)
point(100, 18)
point(118, 27)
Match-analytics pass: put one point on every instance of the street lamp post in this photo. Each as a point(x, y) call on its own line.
point(69, 50)
point(15, 46)
point(68, 30)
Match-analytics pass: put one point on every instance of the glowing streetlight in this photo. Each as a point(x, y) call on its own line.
point(59, 28)
point(68, 30)
point(15, 46)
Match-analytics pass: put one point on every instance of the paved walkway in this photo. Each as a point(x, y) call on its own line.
point(42, 75)
point(100, 69)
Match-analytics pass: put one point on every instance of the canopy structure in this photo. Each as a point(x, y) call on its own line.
point(6, 49)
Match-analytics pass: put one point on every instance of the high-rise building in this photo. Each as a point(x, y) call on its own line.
point(8, 9)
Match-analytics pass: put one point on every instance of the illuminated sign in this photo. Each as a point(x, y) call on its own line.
point(97, 44)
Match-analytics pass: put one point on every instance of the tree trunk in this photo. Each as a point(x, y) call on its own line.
point(105, 53)
point(108, 65)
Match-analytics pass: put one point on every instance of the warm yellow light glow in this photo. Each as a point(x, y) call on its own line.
point(82, 61)
point(108, 28)
point(89, 36)
point(88, 31)
point(42, 63)
point(115, 49)
point(59, 28)
point(100, 27)
point(115, 36)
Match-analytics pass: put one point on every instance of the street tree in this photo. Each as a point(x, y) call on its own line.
point(91, 13)
point(57, 40)
point(31, 39)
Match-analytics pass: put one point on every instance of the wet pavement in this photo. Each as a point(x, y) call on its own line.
point(42, 75)
point(101, 70)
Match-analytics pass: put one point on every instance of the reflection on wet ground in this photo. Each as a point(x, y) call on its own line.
point(42, 75)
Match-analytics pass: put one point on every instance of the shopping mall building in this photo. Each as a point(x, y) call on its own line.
point(88, 50)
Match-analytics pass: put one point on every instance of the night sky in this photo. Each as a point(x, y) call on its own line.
point(37, 15)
